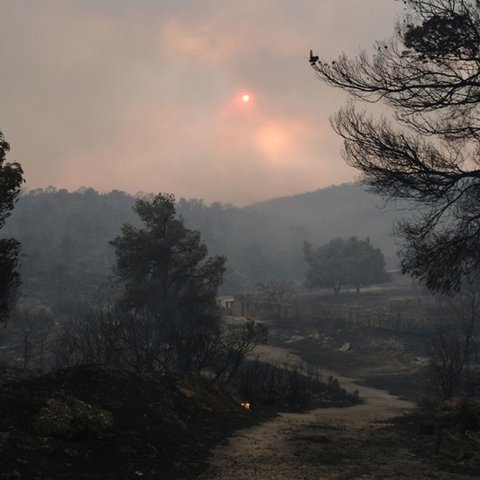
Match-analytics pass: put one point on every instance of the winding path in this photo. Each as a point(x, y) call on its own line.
point(326, 444)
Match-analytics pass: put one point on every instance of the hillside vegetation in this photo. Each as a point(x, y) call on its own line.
point(65, 235)
point(96, 422)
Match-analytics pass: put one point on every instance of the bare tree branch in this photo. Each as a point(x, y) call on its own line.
point(428, 74)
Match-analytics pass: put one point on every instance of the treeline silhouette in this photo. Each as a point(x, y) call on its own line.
point(65, 235)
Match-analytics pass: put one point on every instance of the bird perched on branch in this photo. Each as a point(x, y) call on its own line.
point(313, 58)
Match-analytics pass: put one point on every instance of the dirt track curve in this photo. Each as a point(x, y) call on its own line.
point(324, 444)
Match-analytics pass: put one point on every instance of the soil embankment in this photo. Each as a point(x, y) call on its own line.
point(98, 423)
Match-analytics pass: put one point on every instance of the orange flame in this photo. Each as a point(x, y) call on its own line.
point(246, 405)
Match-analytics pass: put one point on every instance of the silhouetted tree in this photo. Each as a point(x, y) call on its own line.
point(92, 335)
point(445, 353)
point(366, 263)
point(11, 179)
point(168, 279)
point(234, 346)
point(344, 262)
point(32, 331)
point(428, 73)
point(462, 332)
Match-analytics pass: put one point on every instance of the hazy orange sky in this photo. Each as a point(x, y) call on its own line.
point(146, 95)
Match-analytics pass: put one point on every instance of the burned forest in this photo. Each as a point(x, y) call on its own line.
point(237, 243)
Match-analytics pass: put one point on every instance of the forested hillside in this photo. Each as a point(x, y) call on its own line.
point(65, 235)
point(340, 211)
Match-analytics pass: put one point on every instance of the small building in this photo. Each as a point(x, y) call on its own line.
point(225, 302)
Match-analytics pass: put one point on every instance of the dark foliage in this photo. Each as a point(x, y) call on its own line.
point(143, 342)
point(166, 262)
point(453, 350)
point(344, 262)
point(286, 385)
point(9, 276)
point(429, 74)
point(11, 179)
point(168, 283)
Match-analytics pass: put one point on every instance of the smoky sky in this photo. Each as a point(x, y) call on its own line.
point(144, 95)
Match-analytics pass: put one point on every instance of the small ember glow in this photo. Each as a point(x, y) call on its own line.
point(246, 405)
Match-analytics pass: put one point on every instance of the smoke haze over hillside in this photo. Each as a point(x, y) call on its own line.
point(146, 96)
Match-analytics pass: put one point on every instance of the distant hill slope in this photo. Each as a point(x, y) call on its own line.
point(65, 235)
point(340, 211)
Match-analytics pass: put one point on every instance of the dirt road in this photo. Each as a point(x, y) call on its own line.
point(334, 443)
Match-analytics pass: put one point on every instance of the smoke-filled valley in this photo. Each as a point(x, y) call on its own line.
point(332, 334)
point(65, 235)
point(283, 346)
